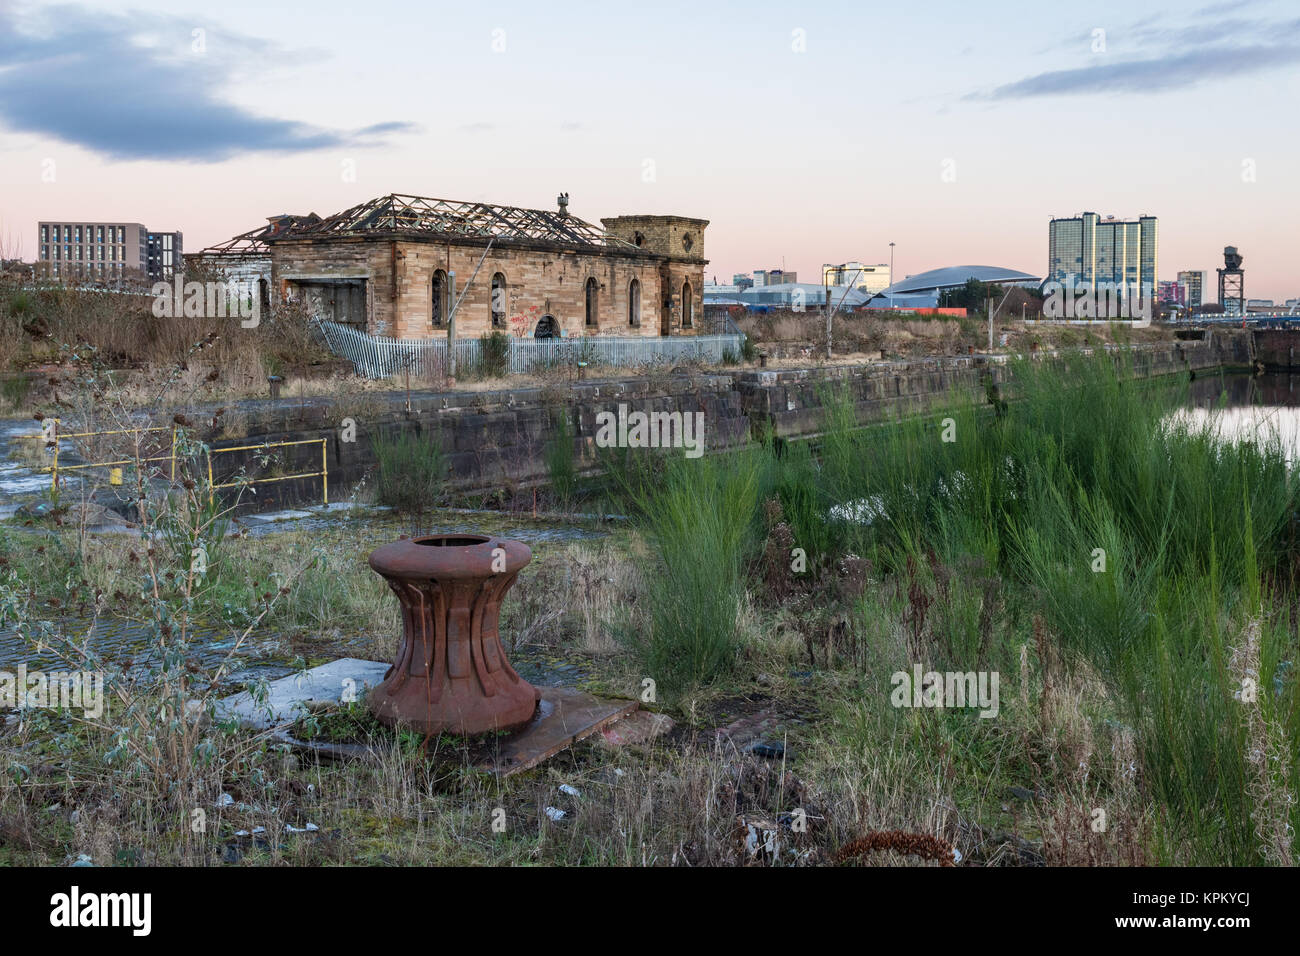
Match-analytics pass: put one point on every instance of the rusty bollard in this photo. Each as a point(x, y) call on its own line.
point(451, 674)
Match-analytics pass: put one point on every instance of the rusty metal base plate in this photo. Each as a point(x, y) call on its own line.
point(564, 716)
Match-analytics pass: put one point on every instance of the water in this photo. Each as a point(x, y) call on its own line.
point(20, 476)
point(1265, 407)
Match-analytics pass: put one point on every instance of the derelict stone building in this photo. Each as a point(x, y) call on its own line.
point(394, 266)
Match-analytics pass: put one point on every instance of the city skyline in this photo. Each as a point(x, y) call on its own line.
point(1019, 115)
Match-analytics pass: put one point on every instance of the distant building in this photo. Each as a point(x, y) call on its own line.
point(871, 278)
point(1232, 282)
point(1192, 284)
point(1170, 293)
point(923, 290)
point(1086, 249)
point(95, 251)
point(785, 296)
point(742, 280)
point(165, 250)
point(764, 277)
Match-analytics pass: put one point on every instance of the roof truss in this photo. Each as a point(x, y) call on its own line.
point(419, 215)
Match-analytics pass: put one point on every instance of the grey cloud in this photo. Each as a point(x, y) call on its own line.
point(1151, 75)
point(130, 87)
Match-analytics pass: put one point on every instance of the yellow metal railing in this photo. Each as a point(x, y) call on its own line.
point(323, 474)
point(115, 476)
point(55, 436)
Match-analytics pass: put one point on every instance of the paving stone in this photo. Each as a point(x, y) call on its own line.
point(638, 727)
point(290, 697)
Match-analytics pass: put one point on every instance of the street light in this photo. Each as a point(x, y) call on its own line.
point(891, 275)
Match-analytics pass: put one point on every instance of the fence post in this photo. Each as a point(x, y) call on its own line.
point(324, 471)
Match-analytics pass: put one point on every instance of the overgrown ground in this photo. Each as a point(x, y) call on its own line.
point(41, 331)
point(865, 334)
point(1131, 584)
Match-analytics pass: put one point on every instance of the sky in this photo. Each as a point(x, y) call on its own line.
point(804, 132)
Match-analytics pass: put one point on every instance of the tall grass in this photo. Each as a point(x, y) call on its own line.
point(700, 519)
point(411, 471)
point(1157, 555)
point(494, 354)
point(560, 463)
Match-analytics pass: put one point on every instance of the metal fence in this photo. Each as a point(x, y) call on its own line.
point(376, 357)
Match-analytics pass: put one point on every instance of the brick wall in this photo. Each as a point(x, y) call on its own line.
point(399, 285)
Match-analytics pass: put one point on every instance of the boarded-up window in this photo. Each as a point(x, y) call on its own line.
point(498, 301)
point(439, 297)
point(593, 291)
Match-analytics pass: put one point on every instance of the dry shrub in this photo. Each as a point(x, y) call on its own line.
point(1074, 834)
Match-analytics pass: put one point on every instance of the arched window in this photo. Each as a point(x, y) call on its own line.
point(688, 306)
point(498, 300)
point(634, 302)
point(592, 291)
point(547, 328)
point(439, 299)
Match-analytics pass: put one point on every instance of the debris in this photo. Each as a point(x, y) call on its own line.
point(772, 750)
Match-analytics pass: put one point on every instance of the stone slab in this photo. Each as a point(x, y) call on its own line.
point(268, 516)
point(639, 727)
point(290, 697)
point(565, 716)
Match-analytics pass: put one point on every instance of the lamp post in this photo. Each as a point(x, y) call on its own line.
point(891, 275)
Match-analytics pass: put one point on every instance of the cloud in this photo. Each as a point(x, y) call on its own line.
point(1181, 55)
point(1224, 7)
point(132, 87)
point(1148, 76)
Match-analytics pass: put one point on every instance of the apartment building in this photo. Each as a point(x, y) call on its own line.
point(106, 251)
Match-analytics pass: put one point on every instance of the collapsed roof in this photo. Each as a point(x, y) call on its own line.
point(420, 216)
point(254, 242)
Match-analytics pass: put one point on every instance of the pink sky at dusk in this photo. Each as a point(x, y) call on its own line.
point(804, 134)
